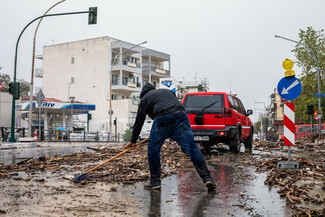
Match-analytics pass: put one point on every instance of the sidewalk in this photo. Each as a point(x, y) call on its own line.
point(19, 145)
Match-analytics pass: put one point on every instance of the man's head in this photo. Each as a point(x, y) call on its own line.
point(146, 88)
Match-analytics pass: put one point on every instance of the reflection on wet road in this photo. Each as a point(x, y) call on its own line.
point(185, 195)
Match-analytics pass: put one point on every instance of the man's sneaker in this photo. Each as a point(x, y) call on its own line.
point(152, 187)
point(211, 185)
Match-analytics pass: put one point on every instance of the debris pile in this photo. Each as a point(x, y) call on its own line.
point(303, 188)
point(266, 145)
point(128, 168)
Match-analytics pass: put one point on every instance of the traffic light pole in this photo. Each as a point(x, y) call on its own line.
point(12, 134)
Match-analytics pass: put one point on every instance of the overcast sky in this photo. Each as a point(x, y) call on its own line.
point(229, 42)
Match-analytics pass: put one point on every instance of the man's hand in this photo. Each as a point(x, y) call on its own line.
point(130, 145)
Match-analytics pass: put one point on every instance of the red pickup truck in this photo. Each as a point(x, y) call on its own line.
point(219, 117)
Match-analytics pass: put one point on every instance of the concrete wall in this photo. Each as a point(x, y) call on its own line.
point(5, 109)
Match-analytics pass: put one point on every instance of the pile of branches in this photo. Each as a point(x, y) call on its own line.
point(301, 187)
point(128, 168)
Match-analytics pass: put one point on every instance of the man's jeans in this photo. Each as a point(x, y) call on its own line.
point(177, 127)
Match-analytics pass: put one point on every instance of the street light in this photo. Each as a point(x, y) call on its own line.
point(315, 57)
point(262, 121)
point(32, 77)
point(92, 19)
point(72, 98)
point(110, 83)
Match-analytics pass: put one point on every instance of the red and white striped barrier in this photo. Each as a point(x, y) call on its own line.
point(289, 124)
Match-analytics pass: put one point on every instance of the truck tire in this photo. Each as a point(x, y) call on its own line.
point(235, 143)
point(249, 143)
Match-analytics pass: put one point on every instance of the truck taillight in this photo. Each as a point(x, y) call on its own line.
point(227, 112)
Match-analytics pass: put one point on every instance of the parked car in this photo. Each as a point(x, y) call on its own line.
point(217, 117)
point(256, 137)
point(146, 128)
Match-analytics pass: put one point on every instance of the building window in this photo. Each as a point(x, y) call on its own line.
point(114, 79)
point(72, 60)
point(124, 81)
point(132, 118)
point(114, 96)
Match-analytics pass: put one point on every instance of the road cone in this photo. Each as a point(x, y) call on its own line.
point(35, 135)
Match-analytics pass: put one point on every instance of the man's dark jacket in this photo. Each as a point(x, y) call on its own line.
point(154, 102)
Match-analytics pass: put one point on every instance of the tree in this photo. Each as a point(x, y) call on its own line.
point(24, 85)
point(309, 80)
point(5, 79)
point(127, 134)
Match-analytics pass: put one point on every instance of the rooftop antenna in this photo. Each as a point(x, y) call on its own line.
point(230, 86)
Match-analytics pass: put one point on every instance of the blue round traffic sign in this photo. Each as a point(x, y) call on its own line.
point(289, 88)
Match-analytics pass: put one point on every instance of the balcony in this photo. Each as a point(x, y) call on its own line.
point(127, 85)
point(146, 70)
point(127, 66)
point(39, 72)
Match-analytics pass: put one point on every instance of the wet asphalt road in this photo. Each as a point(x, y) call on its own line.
point(240, 192)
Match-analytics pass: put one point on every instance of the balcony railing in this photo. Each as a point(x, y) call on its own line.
point(147, 69)
point(125, 62)
point(126, 82)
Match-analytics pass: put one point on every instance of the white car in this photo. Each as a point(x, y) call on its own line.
point(145, 132)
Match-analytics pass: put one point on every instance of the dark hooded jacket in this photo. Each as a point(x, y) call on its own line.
point(154, 102)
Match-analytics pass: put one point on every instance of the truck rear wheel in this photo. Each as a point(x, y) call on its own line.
point(249, 143)
point(234, 144)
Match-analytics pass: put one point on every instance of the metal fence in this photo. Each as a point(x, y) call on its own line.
point(62, 136)
point(5, 133)
point(312, 131)
point(78, 136)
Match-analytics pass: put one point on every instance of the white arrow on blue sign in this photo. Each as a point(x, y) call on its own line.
point(289, 88)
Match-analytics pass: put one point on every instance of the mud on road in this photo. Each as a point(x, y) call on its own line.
point(44, 186)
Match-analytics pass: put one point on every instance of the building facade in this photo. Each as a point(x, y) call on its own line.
point(82, 70)
point(275, 116)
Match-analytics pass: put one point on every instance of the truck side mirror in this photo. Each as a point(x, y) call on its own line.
point(249, 112)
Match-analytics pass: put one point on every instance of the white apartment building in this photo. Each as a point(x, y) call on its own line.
point(82, 69)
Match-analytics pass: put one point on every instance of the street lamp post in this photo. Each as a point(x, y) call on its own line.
point(92, 19)
point(110, 83)
point(262, 121)
point(32, 77)
point(318, 83)
point(72, 98)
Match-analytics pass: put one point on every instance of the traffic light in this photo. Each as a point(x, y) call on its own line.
point(114, 122)
point(92, 15)
point(310, 109)
point(89, 116)
point(200, 87)
point(14, 89)
point(11, 88)
point(17, 90)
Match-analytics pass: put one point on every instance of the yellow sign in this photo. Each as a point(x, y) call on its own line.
point(287, 65)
